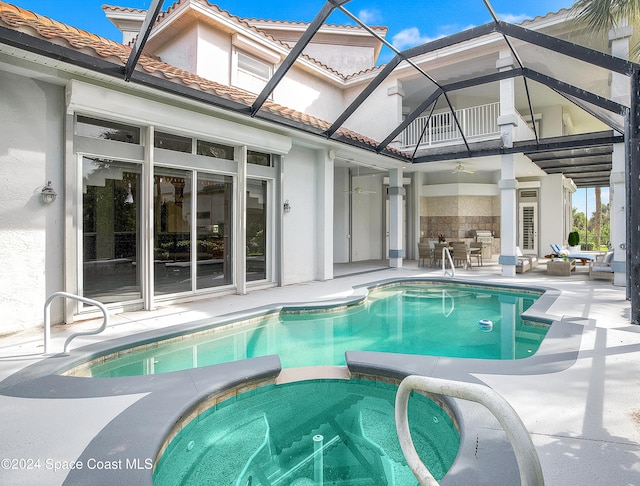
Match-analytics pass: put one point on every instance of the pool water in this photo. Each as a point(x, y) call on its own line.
point(269, 437)
point(422, 318)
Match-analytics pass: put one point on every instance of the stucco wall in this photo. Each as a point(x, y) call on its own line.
point(551, 203)
point(383, 102)
point(341, 215)
point(301, 91)
point(179, 52)
point(213, 55)
point(299, 227)
point(31, 149)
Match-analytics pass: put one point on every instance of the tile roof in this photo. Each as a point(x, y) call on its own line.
point(245, 24)
point(35, 25)
point(377, 28)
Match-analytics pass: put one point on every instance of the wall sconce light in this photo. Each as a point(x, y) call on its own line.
point(48, 195)
point(286, 207)
point(129, 198)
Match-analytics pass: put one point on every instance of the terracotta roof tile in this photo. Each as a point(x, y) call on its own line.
point(122, 9)
point(378, 28)
point(36, 25)
point(243, 22)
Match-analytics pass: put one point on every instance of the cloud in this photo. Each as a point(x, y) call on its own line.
point(513, 18)
point(408, 38)
point(412, 37)
point(370, 16)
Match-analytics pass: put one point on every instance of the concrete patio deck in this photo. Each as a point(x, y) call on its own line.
point(584, 420)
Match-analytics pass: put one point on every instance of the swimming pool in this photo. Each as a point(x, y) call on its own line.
point(343, 432)
point(424, 318)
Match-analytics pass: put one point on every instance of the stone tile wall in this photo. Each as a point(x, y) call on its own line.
point(456, 217)
point(457, 227)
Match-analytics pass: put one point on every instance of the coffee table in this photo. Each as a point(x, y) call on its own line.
point(562, 268)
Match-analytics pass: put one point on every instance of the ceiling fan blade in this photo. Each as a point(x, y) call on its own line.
point(359, 190)
point(461, 168)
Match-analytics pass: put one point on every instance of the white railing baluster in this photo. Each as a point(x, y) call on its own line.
point(476, 121)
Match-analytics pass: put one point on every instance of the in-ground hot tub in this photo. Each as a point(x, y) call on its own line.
point(338, 432)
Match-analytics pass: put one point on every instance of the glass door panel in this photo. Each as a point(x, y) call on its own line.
point(172, 231)
point(214, 230)
point(256, 230)
point(110, 230)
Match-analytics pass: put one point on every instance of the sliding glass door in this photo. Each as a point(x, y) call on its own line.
point(110, 230)
point(172, 231)
point(175, 249)
point(214, 227)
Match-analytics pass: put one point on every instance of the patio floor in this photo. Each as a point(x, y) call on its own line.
point(584, 420)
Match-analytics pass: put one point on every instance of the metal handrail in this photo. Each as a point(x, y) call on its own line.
point(445, 251)
point(526, 455)
point(47, 319)
point(445, 294)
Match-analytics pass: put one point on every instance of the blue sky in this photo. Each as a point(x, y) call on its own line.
point(410, 22)
point(585, 200)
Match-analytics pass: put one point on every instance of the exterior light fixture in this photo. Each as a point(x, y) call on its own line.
point(48, 195)
point(129, 198)
point(286, 207)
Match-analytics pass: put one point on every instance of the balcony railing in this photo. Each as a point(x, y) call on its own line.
point(476, 122)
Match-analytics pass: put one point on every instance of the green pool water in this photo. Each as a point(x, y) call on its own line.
point(271, 436)
point(421, 318)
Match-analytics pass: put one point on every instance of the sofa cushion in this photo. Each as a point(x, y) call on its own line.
point(601, 267)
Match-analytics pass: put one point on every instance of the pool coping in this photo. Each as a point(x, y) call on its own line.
point(137, 435)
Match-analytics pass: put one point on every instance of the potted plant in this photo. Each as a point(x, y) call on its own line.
point(574, 242)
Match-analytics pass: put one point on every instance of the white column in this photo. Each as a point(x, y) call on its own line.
point(508, 217)
point(324, 257)
point(396, 93)
point(240, 253)
point(507, 121)
point(396, 193)
point(620, 92)
point(147, 223)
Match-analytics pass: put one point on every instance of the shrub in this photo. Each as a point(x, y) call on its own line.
point(574, 238)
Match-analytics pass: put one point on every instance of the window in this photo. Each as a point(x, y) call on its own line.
point(214, 223)
point(258, 158)
point(172, 231)
point(190, 227)
point(94, 128)
point(252, 73)
point(174, 248)
point(253, 66)
point(256, 230)
point(110, 230)
point(169, 141)
point(210, 149)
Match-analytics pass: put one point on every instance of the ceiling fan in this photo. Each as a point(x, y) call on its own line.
point(358, 189)
point(461, 168)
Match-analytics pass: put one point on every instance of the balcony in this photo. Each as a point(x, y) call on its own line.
point(477, 122)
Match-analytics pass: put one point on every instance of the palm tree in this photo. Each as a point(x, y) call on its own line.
point(597, 227)
point(603, 15)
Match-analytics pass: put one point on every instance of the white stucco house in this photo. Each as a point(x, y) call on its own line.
point(173, 184)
